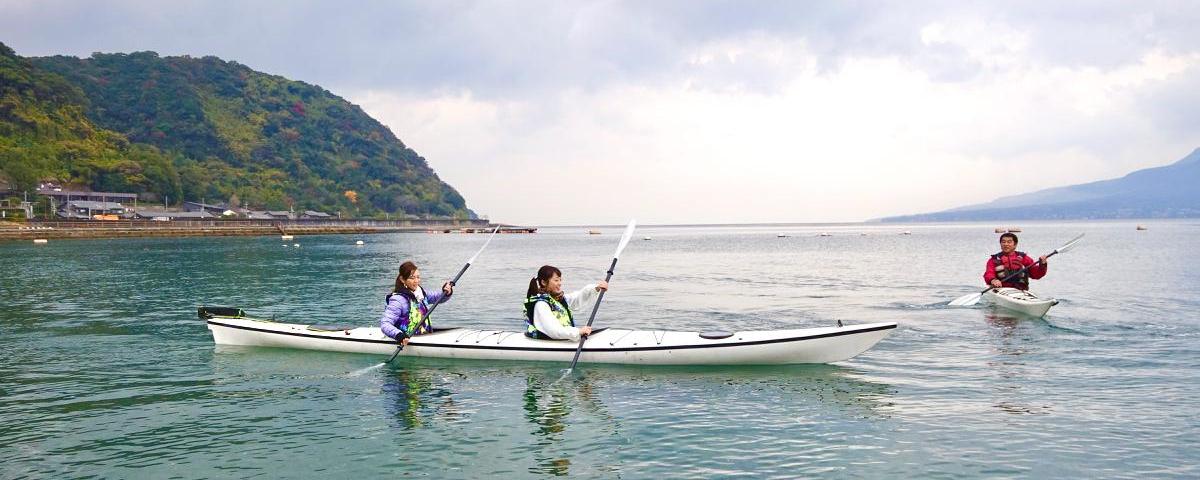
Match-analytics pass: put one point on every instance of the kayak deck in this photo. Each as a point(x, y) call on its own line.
point(1018, 300)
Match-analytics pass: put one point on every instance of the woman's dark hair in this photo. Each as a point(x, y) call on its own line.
point(406, 271)
point(538, 283)
point(1010, 235)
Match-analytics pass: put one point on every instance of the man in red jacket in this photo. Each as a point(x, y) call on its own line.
point(1009, 261)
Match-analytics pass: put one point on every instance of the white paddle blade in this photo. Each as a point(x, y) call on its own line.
point(966, 300)
point(625, 238)
point(1070, 244)
point(485, 244)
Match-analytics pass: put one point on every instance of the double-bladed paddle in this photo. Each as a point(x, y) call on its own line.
point(973, 298)
point(624, 241)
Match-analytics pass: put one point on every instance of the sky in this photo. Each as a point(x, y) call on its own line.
point(595, 112)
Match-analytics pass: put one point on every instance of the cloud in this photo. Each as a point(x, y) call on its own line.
point(503, 49)
point(879, 137)
point(572, 112)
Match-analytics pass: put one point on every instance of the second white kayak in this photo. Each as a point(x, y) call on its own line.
point(1018, 300)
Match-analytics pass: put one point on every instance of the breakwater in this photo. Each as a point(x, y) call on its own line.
point(207, 228)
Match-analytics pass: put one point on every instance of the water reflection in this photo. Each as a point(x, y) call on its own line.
point(548, 404)
point(1008, 363)
point(415, 396)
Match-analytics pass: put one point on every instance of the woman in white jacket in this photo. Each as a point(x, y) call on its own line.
point(548, 310)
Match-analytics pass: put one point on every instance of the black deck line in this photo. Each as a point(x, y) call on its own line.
point(570, 349)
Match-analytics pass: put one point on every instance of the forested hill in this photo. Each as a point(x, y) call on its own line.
point(204, 128)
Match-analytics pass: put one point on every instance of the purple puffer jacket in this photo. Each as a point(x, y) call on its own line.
point(394, 321)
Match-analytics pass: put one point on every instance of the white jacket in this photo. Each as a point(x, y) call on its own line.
point(545, 321)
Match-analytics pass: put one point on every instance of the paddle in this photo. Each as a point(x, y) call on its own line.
point(624, 241)
point(452, 283)
point(973, 298)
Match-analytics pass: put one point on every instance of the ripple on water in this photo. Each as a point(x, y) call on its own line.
point(123, 381)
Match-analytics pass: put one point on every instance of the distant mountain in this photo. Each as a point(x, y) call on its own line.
point(204, 128)
point(1160, 192)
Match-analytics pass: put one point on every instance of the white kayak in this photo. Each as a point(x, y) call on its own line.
point(1018, 300)
point(610, 345)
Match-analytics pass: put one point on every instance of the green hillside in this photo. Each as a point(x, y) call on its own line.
point(45, 134)
point(203, 128)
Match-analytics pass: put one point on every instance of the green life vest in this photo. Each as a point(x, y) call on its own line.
point(418, 311)
point(561, 312)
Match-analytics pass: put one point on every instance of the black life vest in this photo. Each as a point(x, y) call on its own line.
point(1021, 279)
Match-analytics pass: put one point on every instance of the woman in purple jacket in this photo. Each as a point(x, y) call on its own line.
point(408, 305)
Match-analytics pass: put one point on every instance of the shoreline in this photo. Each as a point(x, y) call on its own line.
point(107, 229)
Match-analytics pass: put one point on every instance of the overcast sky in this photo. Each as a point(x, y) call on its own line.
point(565, 112)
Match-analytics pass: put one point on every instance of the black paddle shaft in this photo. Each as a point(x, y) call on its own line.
point(596, 307)
point(602, 292)
point(452, 283)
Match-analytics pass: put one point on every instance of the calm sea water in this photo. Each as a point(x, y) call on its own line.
point(105, 371)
